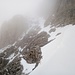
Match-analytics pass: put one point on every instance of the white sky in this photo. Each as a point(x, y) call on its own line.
point(9, 8)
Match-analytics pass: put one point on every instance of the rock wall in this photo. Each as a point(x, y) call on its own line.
point(63, 13)
point(27, 48)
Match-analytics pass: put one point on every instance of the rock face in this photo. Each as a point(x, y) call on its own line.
point(27, 48)
point(64, 13)
point(11, 30)
point(33, 54)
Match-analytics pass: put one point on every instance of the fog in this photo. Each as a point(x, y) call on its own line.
point(30, 12)
point(10, 8)
point(63, 59)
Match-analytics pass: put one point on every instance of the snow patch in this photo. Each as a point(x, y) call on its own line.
point(27, 68)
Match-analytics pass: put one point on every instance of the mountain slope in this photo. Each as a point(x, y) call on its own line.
point(54, 44)
point(63, 13)
point(59, 55)
point(26, 50)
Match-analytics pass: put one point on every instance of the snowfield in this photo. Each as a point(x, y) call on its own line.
point(59, 55)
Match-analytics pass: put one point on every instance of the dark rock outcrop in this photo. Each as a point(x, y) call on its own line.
point(27, 48)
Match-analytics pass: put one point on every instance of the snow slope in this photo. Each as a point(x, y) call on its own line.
point(59, 55)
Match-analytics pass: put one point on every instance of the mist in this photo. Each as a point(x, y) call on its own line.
point(30, 8)
point(43, 26)
point(16, 16)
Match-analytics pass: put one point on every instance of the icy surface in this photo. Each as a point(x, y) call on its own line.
point(59, 55)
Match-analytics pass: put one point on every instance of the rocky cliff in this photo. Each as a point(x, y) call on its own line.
point(27, 48)
point(63, 13)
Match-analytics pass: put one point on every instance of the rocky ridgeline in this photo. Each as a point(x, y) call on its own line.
point(27, 48)
point(63, 13)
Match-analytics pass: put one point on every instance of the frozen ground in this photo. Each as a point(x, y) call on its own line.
point(59, 55)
